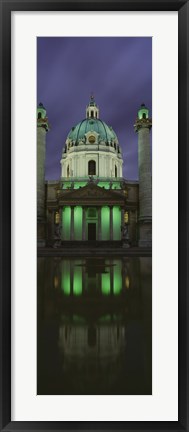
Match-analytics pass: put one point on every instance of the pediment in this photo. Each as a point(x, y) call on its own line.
point(92, 191)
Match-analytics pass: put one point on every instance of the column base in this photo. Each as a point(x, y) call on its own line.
point(41, 233)
point(41, 243)
point(145, 243)
point(126, 244)
point(145, 233)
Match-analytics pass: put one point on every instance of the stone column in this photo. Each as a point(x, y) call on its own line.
point(72, 236)
point(84, 224)
point(99, 224)
point(142, 126)
point(144, 159)
point(42, 129)
point(41, 150)
point(111, 222)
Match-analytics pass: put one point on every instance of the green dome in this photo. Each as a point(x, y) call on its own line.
point(105, 132)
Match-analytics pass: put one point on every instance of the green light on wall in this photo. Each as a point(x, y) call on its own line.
point(66, 217)
point(105, 223)
point(77, 280)
point(116, 223)
point(116, 185)
point(117, 277)
point(78, 217)
point(105, 287)
point(106, 185)
point(77, 185)
point(67, 185)
point(65, 277)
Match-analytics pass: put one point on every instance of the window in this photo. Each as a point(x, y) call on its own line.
point(68, 171)
point(115, 171)
point(92, 167)
point(92, 114)
point(39, 115)
point(144, 115)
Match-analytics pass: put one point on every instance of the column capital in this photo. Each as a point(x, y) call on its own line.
point(142, 124)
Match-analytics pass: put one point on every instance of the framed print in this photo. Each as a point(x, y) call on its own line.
point(94, 215)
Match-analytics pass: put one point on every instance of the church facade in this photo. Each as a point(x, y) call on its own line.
point(91, 202)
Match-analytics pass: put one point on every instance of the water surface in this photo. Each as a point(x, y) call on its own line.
point(94, 326)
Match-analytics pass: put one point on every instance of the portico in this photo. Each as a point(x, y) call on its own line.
point(91, 223)
point(91, 214)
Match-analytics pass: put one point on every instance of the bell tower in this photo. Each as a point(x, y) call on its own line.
point(42, 129)
point(143, 126)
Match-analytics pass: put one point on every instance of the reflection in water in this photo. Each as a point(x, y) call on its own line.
point(94, 326)
point(81, 277)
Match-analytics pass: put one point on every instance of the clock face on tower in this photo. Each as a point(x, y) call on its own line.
point(92, 139)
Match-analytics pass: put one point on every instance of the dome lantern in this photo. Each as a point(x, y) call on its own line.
point(143, 112)
point(92, 110)
point(41, 111)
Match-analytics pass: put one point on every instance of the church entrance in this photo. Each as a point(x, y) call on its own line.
point(91, 231)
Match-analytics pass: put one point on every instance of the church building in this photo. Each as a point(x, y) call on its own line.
point(92, 202)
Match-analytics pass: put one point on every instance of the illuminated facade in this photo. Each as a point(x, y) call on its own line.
point(92, 202)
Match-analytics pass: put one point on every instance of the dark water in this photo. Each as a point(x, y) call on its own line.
point(94, 326)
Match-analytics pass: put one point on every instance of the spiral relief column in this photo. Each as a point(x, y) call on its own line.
point(42, 129)
point(143, 126)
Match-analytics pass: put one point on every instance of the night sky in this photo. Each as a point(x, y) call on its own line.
point(117, 70)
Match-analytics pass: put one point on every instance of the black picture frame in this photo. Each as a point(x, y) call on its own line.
point(6, 7)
